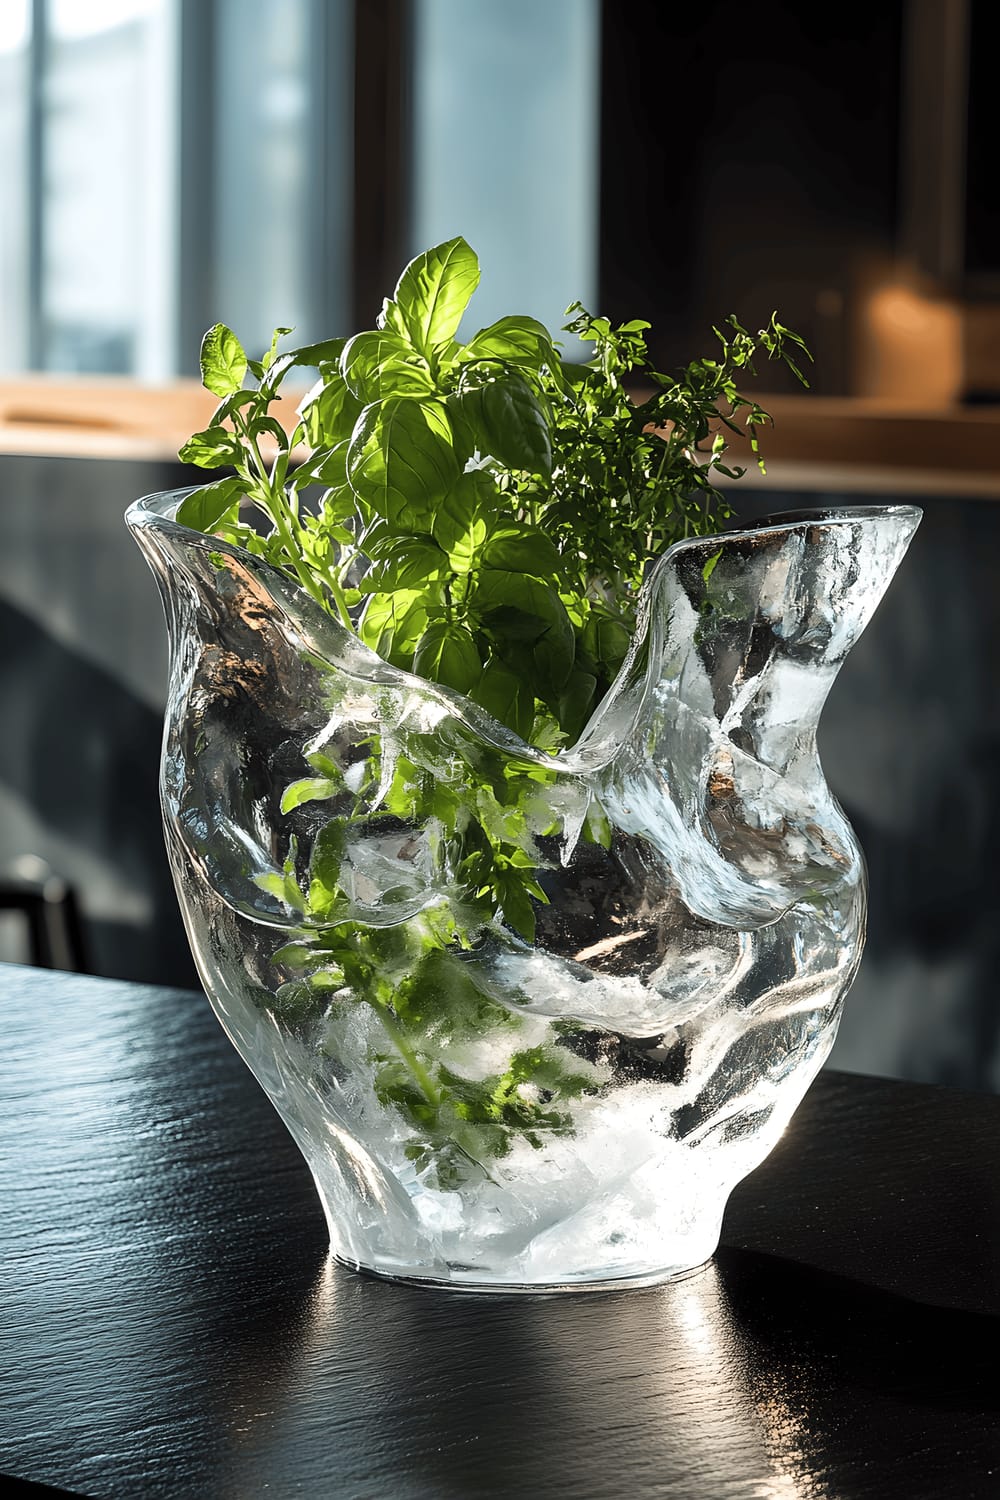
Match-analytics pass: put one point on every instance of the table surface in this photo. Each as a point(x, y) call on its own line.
point(171, 1324)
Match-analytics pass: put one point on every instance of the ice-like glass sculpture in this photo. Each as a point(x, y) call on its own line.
point(481, 1108)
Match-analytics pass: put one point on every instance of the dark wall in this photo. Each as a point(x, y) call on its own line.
point(749, 162)
point(82, 684)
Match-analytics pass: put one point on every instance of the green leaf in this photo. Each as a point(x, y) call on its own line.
point(521, 549)
point(447, 653)
point(211, 448)
point(442, 999)
point(555, 1070)
point(509, 423)
point(576, 702)
point(606, 639)
point(528, 622)
point(382, 363)
point(596, 827)
point(205, 508)
point(227, 408)
point(433, 293)
point(293, 1001)
point(499, 588)
point(515, 902)
point(411, 562)
point(271, 355)
point(401, 461)
point(392, 624)
point(325, 865)
point(328, 467)
point(309, 789)
point(329, 411)
point(223, 362)
point(311, 356)
point(506, 696)
point(285, 887)
point(514, 340)
point(295, 955)
point(464, 518)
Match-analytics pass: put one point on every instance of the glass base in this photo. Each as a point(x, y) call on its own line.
point(469, 1280)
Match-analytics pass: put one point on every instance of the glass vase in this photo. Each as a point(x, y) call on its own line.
point(529, 1017)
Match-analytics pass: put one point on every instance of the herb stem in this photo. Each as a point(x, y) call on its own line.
point(406, 1052)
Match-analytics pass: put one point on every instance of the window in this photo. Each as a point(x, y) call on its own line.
point(172, 163)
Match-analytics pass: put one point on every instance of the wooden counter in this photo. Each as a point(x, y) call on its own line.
point(817, 443)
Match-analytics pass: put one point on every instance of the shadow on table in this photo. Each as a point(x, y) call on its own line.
point(754, 1370)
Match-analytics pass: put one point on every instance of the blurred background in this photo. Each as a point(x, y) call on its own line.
point(172, 163)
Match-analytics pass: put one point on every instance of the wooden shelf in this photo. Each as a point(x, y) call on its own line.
point(106, 418)
point(878, 446)
point(816, 443)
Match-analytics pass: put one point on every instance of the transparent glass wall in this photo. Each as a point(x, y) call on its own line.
point(15, 61)
point(505, 146)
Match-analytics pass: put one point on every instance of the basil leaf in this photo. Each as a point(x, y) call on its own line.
point(413, 561)
point(447, 653)
point(309, 789)
point(464, 518)
point(506, 697)
point(328, 467)
point(521, 549)
point(227, 409)
point(401, 461)
point(514, 340)
point(380, 364)
point(606, 639)
point(576, 702)
point(527, 619)
point(433, 293)
point(311, 356)
point(329, 410)
point(509, 423)
point(515, 902)
point(223, 362)
point(272, 353)
point(205, 508)
point(211, 448)
point(393, 623)
point(326, 895)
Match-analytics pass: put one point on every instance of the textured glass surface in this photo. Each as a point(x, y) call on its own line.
point(490, 1111)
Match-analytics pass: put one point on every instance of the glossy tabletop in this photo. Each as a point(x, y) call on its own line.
point(170, 1323)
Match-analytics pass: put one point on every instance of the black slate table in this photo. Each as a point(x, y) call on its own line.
point(171, 1325)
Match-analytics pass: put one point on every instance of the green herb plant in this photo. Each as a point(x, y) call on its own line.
point(485, 518)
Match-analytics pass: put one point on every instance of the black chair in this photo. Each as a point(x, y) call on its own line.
point(51, 912)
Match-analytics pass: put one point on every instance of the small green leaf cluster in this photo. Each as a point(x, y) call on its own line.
point(419, 984)
point(488, 510)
